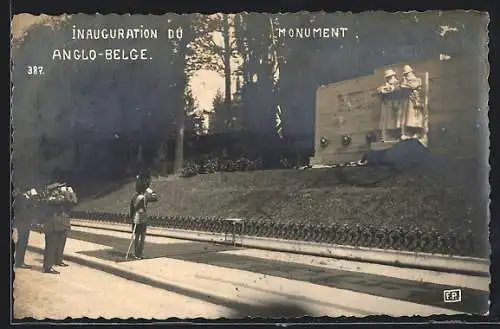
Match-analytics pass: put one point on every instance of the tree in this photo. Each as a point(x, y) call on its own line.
point(218, 109)
point(183, 53)
point(255, 43)
point(215, 47)
point(103, 111)
point(194, 120)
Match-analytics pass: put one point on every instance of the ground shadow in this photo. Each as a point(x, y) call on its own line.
point(33, 267)
point(119, 247)
point(473, 301)
point(296, 309)
point(275, 310)
point(238, 307)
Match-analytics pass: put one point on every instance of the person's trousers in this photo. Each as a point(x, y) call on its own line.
point(61, 243)
point(139, 238)
point(23, 235)
point(52, 243)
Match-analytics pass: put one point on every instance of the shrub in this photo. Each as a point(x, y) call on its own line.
point(211, 166)
point(190, 169)
point(285, 163)
point(242, 164)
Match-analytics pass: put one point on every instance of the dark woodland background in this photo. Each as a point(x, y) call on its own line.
point(88, 122)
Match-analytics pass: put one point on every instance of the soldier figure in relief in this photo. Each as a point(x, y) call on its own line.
point(391, 83)
point(411, 120)
point(390, 104)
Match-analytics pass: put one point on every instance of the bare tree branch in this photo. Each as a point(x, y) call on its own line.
point(232, 44)
point(217, 50)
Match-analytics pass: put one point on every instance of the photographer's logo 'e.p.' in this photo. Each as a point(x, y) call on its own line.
point(452, 296)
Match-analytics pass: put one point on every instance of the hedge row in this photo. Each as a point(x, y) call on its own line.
point(213, 165)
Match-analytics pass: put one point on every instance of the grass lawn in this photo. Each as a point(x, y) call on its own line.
point(445, 200)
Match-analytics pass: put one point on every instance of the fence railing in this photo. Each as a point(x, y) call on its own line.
point(454, 242)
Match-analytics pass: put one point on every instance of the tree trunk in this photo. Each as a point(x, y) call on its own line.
point(139, 155)
point(227, 69)
point(76, 154)
point(181, 111)
point(179, 141)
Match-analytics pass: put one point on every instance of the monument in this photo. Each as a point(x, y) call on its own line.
point(435, 101)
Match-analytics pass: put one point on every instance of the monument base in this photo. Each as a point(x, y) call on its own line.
point(379, 146)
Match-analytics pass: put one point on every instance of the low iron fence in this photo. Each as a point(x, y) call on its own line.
point(454, 242)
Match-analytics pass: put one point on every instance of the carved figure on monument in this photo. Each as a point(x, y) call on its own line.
point(390, 105)
point(391, 83)
point(411, 120)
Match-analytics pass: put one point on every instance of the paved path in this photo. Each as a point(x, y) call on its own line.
point(80, 291)
point(184, 279)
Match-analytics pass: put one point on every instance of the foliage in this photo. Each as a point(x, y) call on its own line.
point(211, 55)
point(225, 116)
point(190, 169)
point(194, 120)
point(259, 71)
point(214, 46)
point(210, 166)
point(93, 117)
point(87, 108)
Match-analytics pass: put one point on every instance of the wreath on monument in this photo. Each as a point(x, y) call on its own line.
point(323, 142)
point(371, 137)
point(346, 140)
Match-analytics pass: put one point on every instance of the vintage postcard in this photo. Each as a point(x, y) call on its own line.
point(250, 165)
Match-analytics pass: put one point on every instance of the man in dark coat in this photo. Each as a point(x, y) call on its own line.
point(70, 201)
point(25, 208)
point(56, 225)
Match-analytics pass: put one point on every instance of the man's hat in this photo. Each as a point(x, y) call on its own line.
point(407, 69)
point(389, 73)
point(31, 193)
point(55, 186)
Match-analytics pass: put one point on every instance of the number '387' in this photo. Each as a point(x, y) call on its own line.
point(35, 70)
